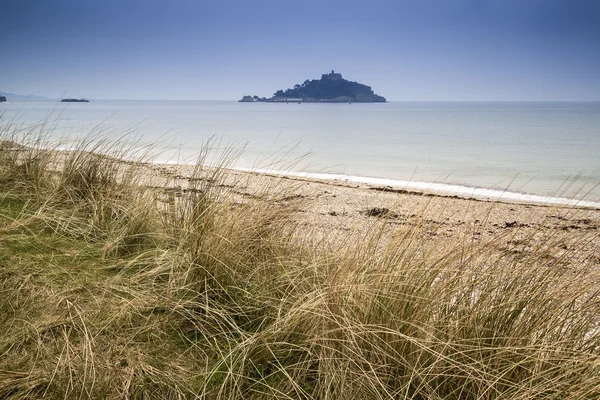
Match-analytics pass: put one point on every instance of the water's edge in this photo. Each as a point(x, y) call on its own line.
point(434, 188)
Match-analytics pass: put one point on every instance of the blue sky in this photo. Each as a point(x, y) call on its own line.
point(220, 50)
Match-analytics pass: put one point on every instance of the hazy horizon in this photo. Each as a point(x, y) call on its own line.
point(536, 50)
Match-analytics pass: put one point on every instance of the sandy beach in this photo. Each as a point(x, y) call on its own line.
point(341, 211)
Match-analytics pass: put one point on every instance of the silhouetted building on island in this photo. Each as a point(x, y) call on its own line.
point(332, 76)
point(331, 88)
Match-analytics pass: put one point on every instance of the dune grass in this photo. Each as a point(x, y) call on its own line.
point(110, 288)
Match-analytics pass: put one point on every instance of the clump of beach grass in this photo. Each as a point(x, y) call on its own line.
point(111, 287)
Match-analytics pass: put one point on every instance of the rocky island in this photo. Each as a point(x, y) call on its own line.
point(75, 101)
point(331, 88)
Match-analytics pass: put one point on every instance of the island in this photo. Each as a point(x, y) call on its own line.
point(2, 99)
point(75, 101)
point(331, 88)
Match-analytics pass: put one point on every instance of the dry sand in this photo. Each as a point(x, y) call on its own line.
point(327, 209)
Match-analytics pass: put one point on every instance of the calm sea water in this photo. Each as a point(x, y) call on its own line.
point(546, 149)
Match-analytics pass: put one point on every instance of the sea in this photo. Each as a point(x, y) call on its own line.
point(535, 152)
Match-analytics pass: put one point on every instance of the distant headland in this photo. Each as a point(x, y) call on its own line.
point(75, 101)
point(331, 88)
point(20, 97)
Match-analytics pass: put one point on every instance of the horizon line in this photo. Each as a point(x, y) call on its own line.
point(43, 98)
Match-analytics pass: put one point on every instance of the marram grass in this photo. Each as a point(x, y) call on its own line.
point(110, 288)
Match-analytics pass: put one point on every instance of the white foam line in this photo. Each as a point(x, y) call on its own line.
point(439, 188)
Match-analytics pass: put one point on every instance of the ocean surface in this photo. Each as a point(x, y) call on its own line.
point(537, 152)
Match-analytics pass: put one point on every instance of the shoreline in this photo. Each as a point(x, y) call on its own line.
point(432, 188)
point(330, 208)
point(383, 185)
point(418, 188)
point(539, 185)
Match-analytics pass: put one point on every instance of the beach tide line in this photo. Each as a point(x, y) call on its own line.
point(432, 187)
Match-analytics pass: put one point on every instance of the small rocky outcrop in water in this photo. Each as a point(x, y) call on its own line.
point(2, 98)
point(75, 101)
point(331, 88)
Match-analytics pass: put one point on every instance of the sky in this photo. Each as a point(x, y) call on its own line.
point(413, 50)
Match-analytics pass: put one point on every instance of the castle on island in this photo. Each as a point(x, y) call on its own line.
point(334, 76)
point(331, 88)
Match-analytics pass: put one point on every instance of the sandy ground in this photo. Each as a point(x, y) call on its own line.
point(343, 212)
point(338, 210)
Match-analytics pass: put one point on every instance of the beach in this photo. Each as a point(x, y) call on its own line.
point(337, 211)
point(341, 211)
